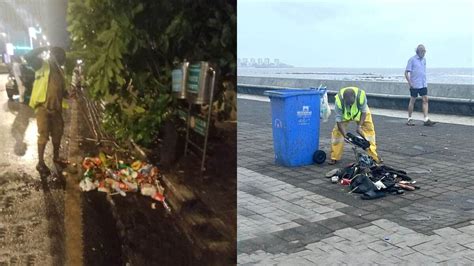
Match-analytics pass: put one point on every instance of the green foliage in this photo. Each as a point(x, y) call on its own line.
point(129, 48)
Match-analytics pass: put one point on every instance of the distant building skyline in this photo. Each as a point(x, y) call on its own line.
point(260, 62)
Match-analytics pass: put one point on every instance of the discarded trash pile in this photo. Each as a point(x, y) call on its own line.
point(372, 182)
point(116, 177)
point(368, 178)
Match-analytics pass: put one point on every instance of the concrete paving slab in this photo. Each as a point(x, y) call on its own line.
point(432, 225)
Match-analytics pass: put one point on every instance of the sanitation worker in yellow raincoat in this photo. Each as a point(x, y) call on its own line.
point(49, 90)
point(351, 105)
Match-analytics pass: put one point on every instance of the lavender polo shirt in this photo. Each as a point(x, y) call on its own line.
point(417, 68)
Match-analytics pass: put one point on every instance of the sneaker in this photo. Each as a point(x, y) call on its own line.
point(333, 172)
point(429, 123)
point(410, 122)
point(43, 169)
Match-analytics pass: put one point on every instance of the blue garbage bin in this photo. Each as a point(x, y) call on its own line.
point(295, 124)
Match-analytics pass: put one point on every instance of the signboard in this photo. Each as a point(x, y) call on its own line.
point(177, 77)
point(194, 78)
point(198, 125)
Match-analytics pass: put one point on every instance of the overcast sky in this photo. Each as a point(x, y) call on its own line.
point(357, 33)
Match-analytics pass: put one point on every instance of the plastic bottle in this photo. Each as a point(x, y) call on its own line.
point(112, 174)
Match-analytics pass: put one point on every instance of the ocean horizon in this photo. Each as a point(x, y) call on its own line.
point(461, 75)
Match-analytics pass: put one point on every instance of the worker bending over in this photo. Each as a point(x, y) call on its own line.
point(351, 105)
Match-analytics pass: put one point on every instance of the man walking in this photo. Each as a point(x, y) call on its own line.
point(351, 105)
point(16, 67)
point(415, 74)
point(47, 101)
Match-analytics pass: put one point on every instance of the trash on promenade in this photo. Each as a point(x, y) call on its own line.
point(112, 176)
point(373, 181)
point(369, 178)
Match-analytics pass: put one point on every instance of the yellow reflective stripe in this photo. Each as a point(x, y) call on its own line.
point(337, 140)
point(361, 97)
point(370, 138)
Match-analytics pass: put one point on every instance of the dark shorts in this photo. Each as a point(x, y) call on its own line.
point(422, 92)
point(50, 123)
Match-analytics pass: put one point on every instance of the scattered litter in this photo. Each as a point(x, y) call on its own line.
point(416, 217)
point(345, 182)
point(420, 171)
point(416, 147)
point(333, 172)
point(379, 185)
point(367, 177)
point(115, 177)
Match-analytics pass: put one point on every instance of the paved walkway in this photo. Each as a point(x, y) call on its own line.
point(295, 216)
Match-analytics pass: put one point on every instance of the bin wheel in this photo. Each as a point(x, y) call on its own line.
point(319, 157)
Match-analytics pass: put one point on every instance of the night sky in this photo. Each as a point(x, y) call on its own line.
point(16, 16)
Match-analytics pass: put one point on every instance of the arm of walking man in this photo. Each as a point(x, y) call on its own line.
point(408, 70)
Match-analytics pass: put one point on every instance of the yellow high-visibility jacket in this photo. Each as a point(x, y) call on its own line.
point(40, 87)
point(354, 112)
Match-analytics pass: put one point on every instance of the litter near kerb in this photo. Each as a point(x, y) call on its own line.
point(112, 176)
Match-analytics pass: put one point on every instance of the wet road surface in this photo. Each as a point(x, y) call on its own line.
point(31, 231)
point(50, 222)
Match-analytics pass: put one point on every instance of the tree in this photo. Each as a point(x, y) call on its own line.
point(130, 48)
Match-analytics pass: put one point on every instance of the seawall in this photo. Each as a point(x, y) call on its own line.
point(455, 99)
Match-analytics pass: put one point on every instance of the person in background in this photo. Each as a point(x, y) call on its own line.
point(16, 69)
point(77, 81)
point(415, 74)
point(49, 91)
point(351, 105)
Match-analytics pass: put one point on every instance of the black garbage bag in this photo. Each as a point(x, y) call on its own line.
point(348, 172)
point(361, 183)
point(372, 194)
point(359, 141)
point(382, 170)
point(386, 178)
point(388, 182)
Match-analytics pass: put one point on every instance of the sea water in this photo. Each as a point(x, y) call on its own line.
point(433, 75)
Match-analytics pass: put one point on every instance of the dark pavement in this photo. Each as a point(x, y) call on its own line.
point(31, 209)
point(297, 216)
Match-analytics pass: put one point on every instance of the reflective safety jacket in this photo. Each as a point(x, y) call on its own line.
point(354, 112)
point(40, 87)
